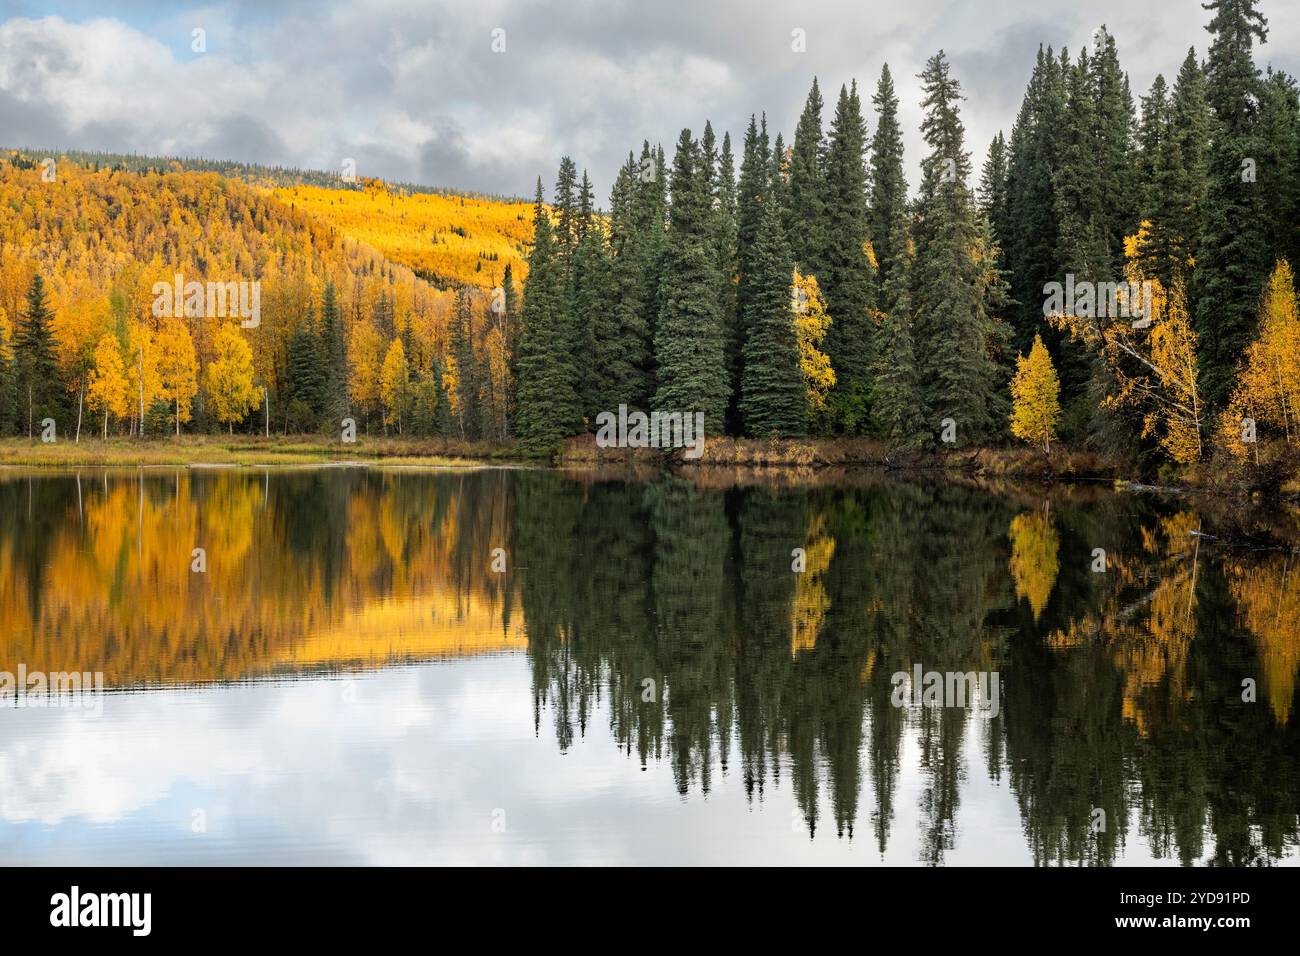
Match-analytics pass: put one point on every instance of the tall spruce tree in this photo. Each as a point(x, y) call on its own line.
point(548, 403)
point(773, 401)
point(620, 358)
point(805, 220)
point(40, 388)
point(1233, 263)
point(1032, 252)
point(887, 213)
point(955, 336)
point(752, 191)
point(689, 339)
point(847, 284)
point(993, 191)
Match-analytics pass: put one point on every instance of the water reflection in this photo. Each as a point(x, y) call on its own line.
point(666, 618)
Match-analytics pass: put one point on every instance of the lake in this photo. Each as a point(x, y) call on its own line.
point(350, 665)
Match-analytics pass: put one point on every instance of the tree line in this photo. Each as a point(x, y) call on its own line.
point(801, 289)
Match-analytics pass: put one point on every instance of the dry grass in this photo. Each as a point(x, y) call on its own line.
point(213, 450)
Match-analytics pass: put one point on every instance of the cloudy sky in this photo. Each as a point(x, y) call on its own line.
point(415, 91)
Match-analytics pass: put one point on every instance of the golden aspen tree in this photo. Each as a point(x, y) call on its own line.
point(230, 377)
point(1150, 361)
point(178, 369)
point(365, 360)
point(1035, 397)
point(394, 384)
point(811, 324)
point(109, 389)
point(1268, 383)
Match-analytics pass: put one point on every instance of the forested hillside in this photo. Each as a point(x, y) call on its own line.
point(448, 240)
point(342, 331)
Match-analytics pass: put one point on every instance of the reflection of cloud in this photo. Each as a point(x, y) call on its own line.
point(409, 772)
point(413, 90)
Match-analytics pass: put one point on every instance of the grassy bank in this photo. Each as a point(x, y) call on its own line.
point(1278, 477)
point(213, 450)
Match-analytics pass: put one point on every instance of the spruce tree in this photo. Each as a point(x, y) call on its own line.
point(805, 221)
point(689, 339)
point(1032, 252)
point(848, 281)
point(469, 411)
point(773, 401)
point(955, 336)
point(993, 191)
point(548, 402)
point(40, 388)
point(306, 378)
point(887, 213)
point(1120, 197)
point(1234, 253)
point(621, 355)
point(334, 399)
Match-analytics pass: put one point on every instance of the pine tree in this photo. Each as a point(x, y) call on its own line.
point(955, 336)
point(620, 359)
point(773, 401)
point(305, 379)
point(548, 403)
point(334, 357)
point(1120, 198)
point(1032, 252)
point(752, 191)
point(587, 297)
point(805, 222)
point(1233, 261)
point(649, 214)
point(888, 214)
point(848, 280)
point(689, 339)
point(1278, 165)
point(993, 192)
point(41, 393)
point(566, 211)
point(469, 376)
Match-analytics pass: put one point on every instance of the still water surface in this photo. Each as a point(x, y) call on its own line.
point(349, 680)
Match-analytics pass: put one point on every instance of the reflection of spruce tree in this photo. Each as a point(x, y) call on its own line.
point(547, 511)
point(770, 524)
point(614, 639)
point(689, 582)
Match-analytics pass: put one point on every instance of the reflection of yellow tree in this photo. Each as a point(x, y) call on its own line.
point(810, 599)
point(1157, 652)
point(116, 572)
point(1035, 558)
point(1268, 605)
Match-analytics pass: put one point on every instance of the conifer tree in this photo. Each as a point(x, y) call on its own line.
point(993, 192)
point(334, 354)
point(1032, 252)
point(305, 378)
point(469, 413)
point(548, 403)
point(888, 214)
point(848, 280)
point(773, 401)
point(805, 222)
point(689, 339)
point(620, 359)
point(40, 387)
point(955, 336)
point(1233, 261)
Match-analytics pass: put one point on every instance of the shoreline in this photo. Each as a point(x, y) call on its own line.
point(776, 457)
